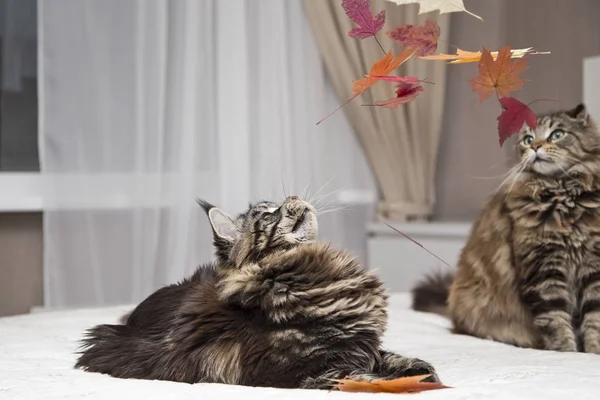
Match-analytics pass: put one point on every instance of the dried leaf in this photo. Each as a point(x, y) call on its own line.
point(462, 56)
point(405, 79)
point(380, 68)
point(500, 75)
point(410, 384)
point(360, 12)
point(423, 38)
point(406, 93)
point(383, 67)
point(513, 116)
point(444, 6)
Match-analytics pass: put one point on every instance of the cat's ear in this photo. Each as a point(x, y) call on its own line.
point(580, 113)
point(223, 225)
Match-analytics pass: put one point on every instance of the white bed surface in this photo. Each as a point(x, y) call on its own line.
point(37, 353)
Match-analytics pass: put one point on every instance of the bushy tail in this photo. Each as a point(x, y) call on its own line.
point(431, 294)
point(114, 350)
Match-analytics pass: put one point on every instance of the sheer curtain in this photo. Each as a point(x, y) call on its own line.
point(146, 105)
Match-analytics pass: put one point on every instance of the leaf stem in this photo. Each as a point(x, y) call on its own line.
point(448, 43)
point(331, 113)
point(380, 46)
point(498, 97)
point(417, 243)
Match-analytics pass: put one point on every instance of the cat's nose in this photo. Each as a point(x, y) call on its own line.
point(536, 145)
point(293, 198)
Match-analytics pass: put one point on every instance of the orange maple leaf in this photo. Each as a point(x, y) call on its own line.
point(379, 69)
point(500, 75)
point(463, 56)
point(383, 67)
point(410, 384)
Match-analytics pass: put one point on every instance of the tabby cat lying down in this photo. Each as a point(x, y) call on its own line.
point(529, 274)
point(277, 309)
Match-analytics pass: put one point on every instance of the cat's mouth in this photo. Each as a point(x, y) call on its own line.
point(301, 220)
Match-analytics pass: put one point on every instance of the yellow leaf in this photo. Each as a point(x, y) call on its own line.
point(462, 56)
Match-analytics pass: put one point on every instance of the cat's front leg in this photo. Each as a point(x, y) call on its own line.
point(388, 366)
point(545, 293)
point(591, 333)
point(590, 309)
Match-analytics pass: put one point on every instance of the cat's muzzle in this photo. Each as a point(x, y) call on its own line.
point(305, 226)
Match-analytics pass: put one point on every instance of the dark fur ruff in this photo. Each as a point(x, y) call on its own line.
point(295, 314)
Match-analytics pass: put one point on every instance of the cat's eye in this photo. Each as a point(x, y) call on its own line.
point(527, 140)
point(557, 134)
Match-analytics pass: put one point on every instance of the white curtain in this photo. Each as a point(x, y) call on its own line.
point(146, 105)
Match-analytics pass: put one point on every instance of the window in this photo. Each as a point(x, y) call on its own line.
point(18, 86)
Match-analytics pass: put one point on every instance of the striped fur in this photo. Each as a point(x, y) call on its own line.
point(278, 309)
point(529, 274)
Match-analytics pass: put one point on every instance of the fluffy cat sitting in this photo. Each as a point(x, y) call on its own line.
point(529, 274)
point(277, 309)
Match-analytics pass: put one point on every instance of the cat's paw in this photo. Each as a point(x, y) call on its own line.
point(420, 367)
point(565, 344)
point(591, 345)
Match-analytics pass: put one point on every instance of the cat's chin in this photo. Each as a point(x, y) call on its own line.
point(307, 228)
point(546, 167)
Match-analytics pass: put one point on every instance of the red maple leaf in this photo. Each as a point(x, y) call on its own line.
point(513, 116)
point(360, 12)
point(423, 38)
point(405, 93)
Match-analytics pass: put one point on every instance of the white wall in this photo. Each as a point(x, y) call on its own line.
point(401, 263)
point(591, 85)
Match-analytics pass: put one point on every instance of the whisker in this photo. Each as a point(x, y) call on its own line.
point(490, 177)
point(515, 178)
point(345, 208)
point(338, 208)
point(317, 202)
point(319, 208)
point(561, 167)
point(308, 186)
point(511, 173)
point(317, 192)
point(283, 186)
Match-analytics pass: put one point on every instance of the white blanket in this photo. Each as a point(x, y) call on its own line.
point(37, 353)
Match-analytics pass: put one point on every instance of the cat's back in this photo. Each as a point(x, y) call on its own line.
point(159, 310)
point(318, 271)
point(311, 282)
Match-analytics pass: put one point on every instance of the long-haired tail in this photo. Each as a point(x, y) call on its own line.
point(431, 294)
point(113, 350)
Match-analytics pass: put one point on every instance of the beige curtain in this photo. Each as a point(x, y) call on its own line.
point(401, 144)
